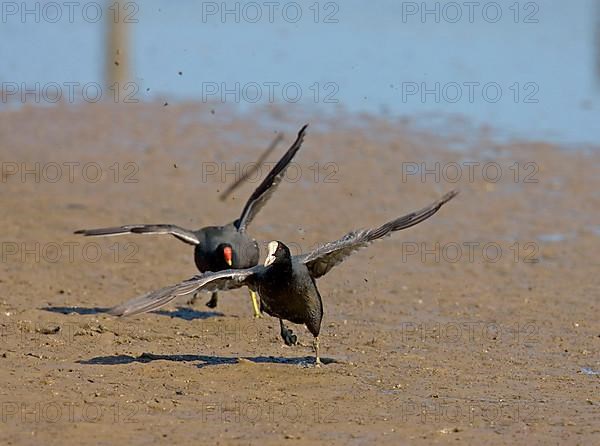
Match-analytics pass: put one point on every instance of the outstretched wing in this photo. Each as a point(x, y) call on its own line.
point(221, 280)
point(320, 261)
point(182, 234)
point(252, 171)
point(264, 191)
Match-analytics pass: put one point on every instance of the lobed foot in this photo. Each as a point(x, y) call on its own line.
point(288, 335)
point(212, 303)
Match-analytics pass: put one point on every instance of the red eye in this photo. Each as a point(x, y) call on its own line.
point(227, 253)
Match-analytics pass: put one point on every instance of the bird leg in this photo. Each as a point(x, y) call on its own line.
point(316, 347)
point(288, 335)
point(212, 303)
point(255, 305)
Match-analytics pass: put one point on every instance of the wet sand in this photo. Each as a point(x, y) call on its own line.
point(478, 326)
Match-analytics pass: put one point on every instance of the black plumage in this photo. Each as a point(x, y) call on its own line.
point(220, 247)
point(285, 283)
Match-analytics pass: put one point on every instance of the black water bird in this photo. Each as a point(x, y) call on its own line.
point(285, 283)
point(221, 247)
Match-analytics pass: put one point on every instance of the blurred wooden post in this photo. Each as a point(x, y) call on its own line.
point(117, 46)
point(597, 42)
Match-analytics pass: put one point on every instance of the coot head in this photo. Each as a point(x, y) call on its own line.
point(277, 253)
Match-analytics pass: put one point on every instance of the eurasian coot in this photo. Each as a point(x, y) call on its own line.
point(285, 283)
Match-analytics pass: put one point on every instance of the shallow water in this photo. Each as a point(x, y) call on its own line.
point(541, 56)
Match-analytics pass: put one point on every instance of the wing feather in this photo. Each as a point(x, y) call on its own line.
point(221, 280)
point(264, 191)
point(182, 234)
point(325, 257)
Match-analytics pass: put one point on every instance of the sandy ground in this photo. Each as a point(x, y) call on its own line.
point(478, 326)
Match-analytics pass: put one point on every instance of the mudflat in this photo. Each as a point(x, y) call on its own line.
point(479, 325)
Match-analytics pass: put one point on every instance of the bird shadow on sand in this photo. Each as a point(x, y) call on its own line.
point(204, 360)
point(77, 310)
point(188, 314)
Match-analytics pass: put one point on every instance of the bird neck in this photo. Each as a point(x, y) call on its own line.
point(282, 266)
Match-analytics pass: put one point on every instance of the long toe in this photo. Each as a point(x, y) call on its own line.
point(289, 337)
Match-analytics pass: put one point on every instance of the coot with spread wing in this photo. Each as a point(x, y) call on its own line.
point(285, 283)
point(220, 247)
